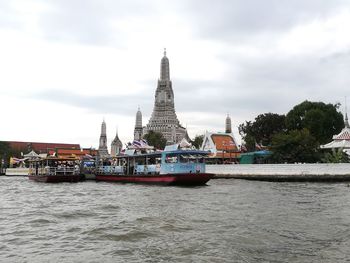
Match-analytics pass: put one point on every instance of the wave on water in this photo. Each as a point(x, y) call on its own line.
point(227, 221)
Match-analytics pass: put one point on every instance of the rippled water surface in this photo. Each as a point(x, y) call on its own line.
point(225, 221)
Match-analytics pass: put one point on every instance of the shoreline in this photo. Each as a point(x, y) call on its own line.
point(283, 172)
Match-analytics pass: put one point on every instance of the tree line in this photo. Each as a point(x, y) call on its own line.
point(296, 136)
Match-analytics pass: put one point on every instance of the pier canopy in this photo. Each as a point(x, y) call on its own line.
point(341, 140)
point(31, 155)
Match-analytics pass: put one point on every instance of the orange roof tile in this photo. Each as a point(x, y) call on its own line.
point(224, 142)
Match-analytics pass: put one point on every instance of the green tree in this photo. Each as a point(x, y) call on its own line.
point(198, 140)
point(335, 156)
point(295, 146)
point(155, 139)
point(5, 153)
point(264, 127)
point(322, 120)
point(249, 143)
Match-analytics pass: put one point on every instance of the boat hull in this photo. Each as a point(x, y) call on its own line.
point(55, 178)
point(189, 179)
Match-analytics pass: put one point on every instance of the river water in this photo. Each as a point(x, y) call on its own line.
point(225, 221)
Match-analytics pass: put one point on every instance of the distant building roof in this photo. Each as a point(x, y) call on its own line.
point(220, 144)
point(341, 140)
point(39, 146)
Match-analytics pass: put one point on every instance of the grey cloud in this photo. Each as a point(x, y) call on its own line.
point(89, 21)
point(273, 85)
point(260, 85)
point(240, 20)
point(107, 104)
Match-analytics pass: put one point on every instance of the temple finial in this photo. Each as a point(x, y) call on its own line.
point(164, 52)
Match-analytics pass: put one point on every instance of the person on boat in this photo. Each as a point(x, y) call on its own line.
point(76, 169)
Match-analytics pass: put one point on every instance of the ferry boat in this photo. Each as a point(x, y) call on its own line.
point(55, 170)
point(177, 167)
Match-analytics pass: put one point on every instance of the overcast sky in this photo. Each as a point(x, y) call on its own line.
point(65, 65)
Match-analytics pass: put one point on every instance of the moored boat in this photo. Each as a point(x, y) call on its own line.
point(55, 170)
point(177, 167)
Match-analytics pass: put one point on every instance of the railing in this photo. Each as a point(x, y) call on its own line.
point(147, 169)
point(114, 169)
point(183, 168)
point(55, 171)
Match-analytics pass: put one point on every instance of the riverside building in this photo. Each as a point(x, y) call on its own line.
point(223, 146)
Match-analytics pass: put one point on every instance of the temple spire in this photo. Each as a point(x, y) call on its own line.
point(228, 125)
point(102, 149)
point(138, 125)
point(346, 121)
point(164, 68)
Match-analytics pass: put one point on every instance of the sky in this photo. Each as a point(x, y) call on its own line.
point(65, 65)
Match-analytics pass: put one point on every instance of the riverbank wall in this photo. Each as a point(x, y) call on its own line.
point(17, 172)
point(283, 172)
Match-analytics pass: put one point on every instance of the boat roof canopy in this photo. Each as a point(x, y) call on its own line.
point(50, 158)
point(187, 152)
point(158, 154)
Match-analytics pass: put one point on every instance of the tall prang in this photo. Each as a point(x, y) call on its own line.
point(138, 126)
point(102, 148)
point(164, 119)
point(228, 125)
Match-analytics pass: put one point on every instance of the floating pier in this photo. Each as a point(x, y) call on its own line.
point(283, 172)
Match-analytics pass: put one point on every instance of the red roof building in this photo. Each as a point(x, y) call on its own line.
point(39, 147)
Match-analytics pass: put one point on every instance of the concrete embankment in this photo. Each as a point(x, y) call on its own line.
point(283, 172)
point(17, 171)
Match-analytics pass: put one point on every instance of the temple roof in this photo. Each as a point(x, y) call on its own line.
point(117, 140)
point(343, 135)
point(219, 142)
point(224, 142)
point(341, 140)
point(337, 144)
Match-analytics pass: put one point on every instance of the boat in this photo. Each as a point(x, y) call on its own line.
point(175, 167)
point(55, 170)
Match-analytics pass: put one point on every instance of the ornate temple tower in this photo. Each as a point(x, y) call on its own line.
point(164, 119)
point(102, 148)
point(138, 126)
point(228, 125)
point(116, 145)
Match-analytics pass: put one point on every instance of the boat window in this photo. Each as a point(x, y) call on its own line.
point(201, 159)
point(183, 158)
point(140, 161)
point(171, 158)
